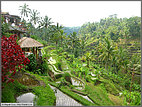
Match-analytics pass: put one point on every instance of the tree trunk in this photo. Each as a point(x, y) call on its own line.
point(88, 63)
point(61, 42)
point(106, 65)
point(56, 44)
point(131, 84)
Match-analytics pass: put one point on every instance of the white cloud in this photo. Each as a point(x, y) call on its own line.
point(75, 13)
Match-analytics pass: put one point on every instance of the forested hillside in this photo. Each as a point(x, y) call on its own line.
point(116, 28)
point(99, 61)
point(69, 30)
point(122, 31)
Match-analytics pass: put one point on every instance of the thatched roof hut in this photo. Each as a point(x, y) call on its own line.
point(27, 42)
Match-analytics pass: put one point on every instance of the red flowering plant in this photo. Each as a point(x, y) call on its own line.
point(13, 58)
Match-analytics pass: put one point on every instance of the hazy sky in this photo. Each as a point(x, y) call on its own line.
point(76, 13)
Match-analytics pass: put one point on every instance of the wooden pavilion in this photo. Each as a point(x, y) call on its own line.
point(27, 44)
point(30, 45)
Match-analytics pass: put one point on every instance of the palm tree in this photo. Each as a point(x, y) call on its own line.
point(87, 41)
point(46, 22)
point(134, 66)
point(24, 10)
point(88, 58)
point(122, 59)
point(57, 32)
point(58, 27)
point(73, 38)
point(55, 28)
point(56, 38)
point(107, 52)
point(34, 16)
point(62, 36)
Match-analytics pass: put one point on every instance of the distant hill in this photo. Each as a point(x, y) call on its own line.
point(69, 30)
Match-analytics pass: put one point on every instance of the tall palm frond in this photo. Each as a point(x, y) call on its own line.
point(24, 10)
point(34, 16)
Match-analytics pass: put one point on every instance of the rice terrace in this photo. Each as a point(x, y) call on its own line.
point(71, 53)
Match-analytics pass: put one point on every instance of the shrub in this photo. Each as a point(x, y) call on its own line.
point(83, 59)
point(59, 65)
point(10, 90)
point(60, 50)
point(136, 87)
point(134, 97)
point(43, 67)
point(13, 58)
point(110, 87)
point(32, 66)
point(76, 53)
point(66, 74)
point(38, 67)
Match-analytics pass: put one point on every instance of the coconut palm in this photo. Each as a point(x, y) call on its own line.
point(122, 59)
point(34, 16)
point(73, 38)
point(134, 67)
point(58, 27)
point(88, 58)
point(24, 10)
point(106, 52)
point(62, 36)
point(56, 38)
point(45, 22)
point(86, 42)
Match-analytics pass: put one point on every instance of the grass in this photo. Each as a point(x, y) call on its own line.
point(8, 94)
point(117, 101)
point(98, 95)
point(11, 90)
point(46, 96)
point(110, 87)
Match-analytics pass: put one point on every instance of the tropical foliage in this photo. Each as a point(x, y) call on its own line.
point(104, 56)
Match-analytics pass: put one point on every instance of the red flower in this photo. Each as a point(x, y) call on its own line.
point(12, 56)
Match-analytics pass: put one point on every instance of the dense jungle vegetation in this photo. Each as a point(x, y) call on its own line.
point(104, 55)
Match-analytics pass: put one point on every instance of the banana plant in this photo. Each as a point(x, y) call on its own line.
point(88, 58)
point(122, 59)
point(86, 42)
point(134, 65)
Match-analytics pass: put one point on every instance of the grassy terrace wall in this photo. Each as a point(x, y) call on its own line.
point(11, 91)
point(46, 96)
point(98, 95)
